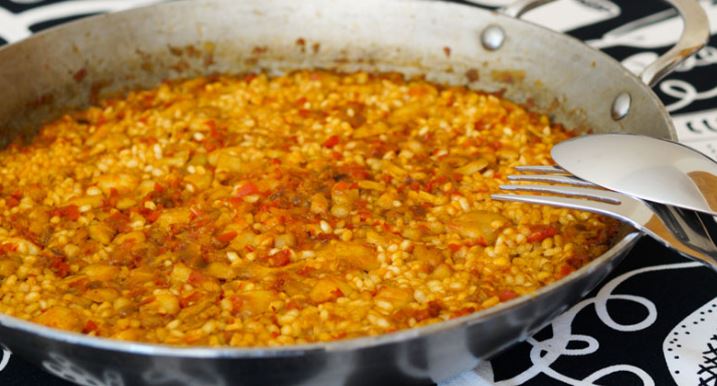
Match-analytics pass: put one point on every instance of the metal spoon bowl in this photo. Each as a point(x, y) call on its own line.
point(644, 167)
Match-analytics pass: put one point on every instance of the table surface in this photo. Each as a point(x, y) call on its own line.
point(652, 322)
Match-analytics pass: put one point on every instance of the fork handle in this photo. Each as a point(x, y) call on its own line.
point(689, 232)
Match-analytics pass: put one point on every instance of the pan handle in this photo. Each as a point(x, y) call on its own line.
point(518, 8)
point(695, 34)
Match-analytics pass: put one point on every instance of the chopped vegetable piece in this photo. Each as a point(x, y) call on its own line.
point(264, 211)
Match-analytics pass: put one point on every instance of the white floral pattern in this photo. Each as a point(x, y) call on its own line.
point(14, 27)
point(690, 349)
point(4, 357)
point(545, 352)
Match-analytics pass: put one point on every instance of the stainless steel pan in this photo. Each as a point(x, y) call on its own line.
point(580, 87)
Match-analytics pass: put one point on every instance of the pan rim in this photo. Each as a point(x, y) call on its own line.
point(622, 244)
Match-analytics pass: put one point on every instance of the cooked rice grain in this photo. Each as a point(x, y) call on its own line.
point(259, 211)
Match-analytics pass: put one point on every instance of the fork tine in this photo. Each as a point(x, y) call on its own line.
point(565, 202)
point(594, 194)
point(551, 178)
point(541, 169)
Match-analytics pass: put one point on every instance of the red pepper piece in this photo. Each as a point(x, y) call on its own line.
point(7, 247)
point(246, 190)
point(227, 236)
point(60, 267)
point(541, 232)
point(71, 212)
point(89, 327)
point(332, 141)
point(342, 185)
point(280, 259)
point(507, 295)
point(196, 278)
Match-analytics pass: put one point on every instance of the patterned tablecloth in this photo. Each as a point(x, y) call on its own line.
point(652, 322)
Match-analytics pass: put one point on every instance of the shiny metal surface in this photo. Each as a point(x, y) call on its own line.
point(621, 106)
point(36, 76)
point(651, 169)
point(694, 36)
point(680, 230)
point(696, 229)
point(520, 7)
point(139, 48)
point(492, 37)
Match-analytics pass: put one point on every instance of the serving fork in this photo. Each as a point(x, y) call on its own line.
point(689, 232)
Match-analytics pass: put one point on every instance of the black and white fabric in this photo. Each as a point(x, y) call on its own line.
point(652, 322)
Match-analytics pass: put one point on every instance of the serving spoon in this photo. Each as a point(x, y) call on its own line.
point(652, 169)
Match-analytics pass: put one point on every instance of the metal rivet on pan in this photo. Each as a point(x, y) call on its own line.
point(621, 106)
point(492, 37)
